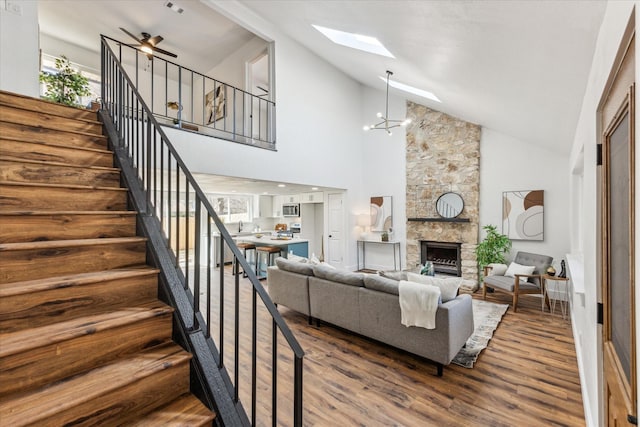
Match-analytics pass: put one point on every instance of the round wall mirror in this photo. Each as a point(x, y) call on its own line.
point(449, 205)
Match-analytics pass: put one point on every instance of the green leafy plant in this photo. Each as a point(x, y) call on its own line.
point(66, 85)
point(493, 248)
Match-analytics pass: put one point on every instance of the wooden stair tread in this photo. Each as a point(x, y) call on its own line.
point(66, 165)
point(186, 410)
point(50, 244)
point(79, 187)
point(41, 404)
point(67, 281)
point(30, 141)
point(22, 341)
point(51, 129)
point(92, 121)
point(46, 106)
point(50, 213)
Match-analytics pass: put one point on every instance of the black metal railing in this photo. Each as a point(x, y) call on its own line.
point(239, 322)
point(187, 99)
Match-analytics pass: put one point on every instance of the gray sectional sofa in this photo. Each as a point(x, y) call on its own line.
point(368, 305)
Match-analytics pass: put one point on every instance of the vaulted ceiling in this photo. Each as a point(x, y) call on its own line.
point(518, 67)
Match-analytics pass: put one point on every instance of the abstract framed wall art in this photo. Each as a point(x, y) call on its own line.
point(523, 214)
point(381, 213)
point(216, 107)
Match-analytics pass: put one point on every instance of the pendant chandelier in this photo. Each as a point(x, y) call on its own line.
point(386, 123)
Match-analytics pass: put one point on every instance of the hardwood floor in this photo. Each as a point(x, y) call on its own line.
point(527, 375)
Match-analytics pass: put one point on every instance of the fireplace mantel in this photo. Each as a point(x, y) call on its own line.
point(439, 219)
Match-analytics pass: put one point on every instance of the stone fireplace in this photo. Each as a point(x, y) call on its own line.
point(443, 155)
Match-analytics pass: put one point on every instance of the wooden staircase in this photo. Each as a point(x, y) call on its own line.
point(84, 339)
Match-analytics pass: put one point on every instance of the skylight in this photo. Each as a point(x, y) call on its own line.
point(411, 89)
point(355, 41)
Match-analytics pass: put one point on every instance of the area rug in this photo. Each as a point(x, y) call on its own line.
point(486, 317)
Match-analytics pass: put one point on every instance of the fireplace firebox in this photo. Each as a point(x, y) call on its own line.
point(445, 256)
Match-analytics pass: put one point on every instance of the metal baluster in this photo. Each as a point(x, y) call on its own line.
point(196, 272)
point(209, 266)
point(221, 326)
point(274, 373)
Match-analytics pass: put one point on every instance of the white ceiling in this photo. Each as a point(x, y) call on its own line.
point(229, 184)
point(518, 67)
point(200, 37)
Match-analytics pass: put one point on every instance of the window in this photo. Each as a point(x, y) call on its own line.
point(232, 208)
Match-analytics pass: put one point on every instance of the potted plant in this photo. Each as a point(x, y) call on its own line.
point(66, 85)
point(493, 248)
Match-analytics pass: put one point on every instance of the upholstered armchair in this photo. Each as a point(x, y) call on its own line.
point(523, 276)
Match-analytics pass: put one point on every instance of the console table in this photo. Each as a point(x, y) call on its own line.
point(395, 246)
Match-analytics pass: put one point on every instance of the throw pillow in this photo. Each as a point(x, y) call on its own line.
point(448, 287)
point(497, 269)
point(326, 264)
point(294, 257)
point(519, 269)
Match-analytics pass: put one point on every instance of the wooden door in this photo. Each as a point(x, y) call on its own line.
point(618, 239)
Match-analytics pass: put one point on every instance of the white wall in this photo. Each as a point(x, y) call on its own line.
point(384, 173)
point(586, 331)
point(508, 164)
point(90, 59)
point(232, 69)
point(19, 49)
point(318, 126)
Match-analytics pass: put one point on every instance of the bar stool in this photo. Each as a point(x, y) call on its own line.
point(271, 253)
point(244, 247)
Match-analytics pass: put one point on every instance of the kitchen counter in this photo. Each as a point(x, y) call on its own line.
point(296, 246)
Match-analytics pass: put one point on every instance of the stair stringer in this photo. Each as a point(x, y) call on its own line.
point(209, 383)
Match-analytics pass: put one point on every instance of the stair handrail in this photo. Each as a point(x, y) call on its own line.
point(123, 105)
point(265, 138)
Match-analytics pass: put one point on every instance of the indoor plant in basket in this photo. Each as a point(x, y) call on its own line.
point(493, 248)
point(66, 85)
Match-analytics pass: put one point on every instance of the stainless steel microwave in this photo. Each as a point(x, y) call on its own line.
point(291, 209)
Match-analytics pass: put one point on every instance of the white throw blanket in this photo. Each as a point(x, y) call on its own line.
point(418, 304)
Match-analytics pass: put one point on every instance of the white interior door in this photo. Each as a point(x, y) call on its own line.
point(257, 107)
point(335, 250)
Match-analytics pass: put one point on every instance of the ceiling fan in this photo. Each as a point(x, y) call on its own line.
point(148, 44)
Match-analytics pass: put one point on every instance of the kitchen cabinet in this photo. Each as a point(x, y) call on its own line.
point(265, 206)
point(300, 249)
point(291, 198)
point(276, 207)
point(313, 197)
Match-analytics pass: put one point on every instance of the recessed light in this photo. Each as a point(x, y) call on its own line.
point(281, 185)
point(314, 188)
point(411, 89)
point(355, 41)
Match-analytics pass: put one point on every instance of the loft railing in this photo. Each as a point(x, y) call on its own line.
point(236, 323)
point(180, 97)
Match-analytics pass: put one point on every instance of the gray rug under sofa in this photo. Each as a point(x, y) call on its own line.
point(368, 304)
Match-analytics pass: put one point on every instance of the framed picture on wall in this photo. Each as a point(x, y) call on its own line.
point(381, 213)
point(523, 214)
point(216, 104)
